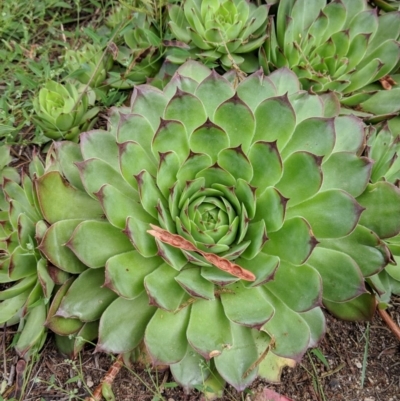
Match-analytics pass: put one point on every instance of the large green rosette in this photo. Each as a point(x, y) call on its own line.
point(229, 216)
point(344, 46)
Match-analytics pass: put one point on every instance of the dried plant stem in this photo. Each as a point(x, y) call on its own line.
point(64, 38)
point(395, 329)
point(19, 382)
point(177, 241)
point(4, 353)
point(108, 379)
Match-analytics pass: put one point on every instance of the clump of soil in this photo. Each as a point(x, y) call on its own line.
point(53, 378)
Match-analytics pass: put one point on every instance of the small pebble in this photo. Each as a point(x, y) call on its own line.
point(333, 384)
point(89, 382)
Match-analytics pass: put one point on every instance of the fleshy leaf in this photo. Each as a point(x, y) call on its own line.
point(244, 349)
point(95, 173)
point(273, 201)
point(239, 305)
point(150, 194)
point(288, 330)
point(335, 221)
point(135, 230)
point(359, 309)
point(167, 170)
point(67, 154)
point(194, 284)
point(100, 144)
point(53, 246)
point(267, 165)
point(346, 171)
point(86, 299)
point(285, 81)
point(256, 88)
point(171, 135)
point(149, 102)
point(136, 128)
point(315, 135)
point(365, 247)
point(271, 367)
point(290, 281)
point(294, 242)
point(235, 117)
point(118, 332)
point(105, 241)
point(162, 289)
point(167, 328)
point(212, 91)
point(350, 134)
point(209, 330)
point(210, 139)
point(191, 371)
point(33, 329)
point(337, 270)
point(315, 320)
point(273, 112)
point(133, 159)
point(125, 273)
point(186, 108)
point(298, 168)
point(263, 266)
point(60, 201)
point(384, 221)
point(236, 162)
point(61, 325)
point(117, 206)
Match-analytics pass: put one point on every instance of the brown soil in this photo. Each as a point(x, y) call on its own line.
point(53, 378)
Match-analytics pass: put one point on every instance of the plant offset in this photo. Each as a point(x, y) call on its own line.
point(217, 215)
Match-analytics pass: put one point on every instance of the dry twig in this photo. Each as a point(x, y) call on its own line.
point(221, 263)
point(390, 322)
point(108, 379)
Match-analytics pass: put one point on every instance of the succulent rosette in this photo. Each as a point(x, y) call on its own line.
point(62, 112)
point(342, 45)
point(88, 64)
point(222, 32)
point(374, 103)
point(383, 147)
point(138, 58)
point(27, 278)
point(5, 171)
point(387, 5)
point(215, 221)
point(119, 15)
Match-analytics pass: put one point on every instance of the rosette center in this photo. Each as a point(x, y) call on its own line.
point(210, 221)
